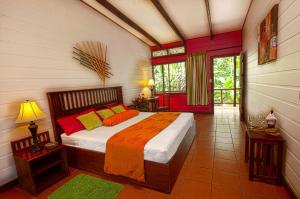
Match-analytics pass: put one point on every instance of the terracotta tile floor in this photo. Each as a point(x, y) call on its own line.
point(214, 167)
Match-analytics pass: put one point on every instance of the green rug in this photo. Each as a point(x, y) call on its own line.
point(87, 187)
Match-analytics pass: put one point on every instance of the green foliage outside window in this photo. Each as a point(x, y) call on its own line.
point(224, 78)
point(170, 77)
point(158, 78)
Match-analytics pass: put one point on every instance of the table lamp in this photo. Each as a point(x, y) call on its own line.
point(151, 84)
point(30, 112)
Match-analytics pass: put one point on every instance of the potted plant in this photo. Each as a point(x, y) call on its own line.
point(140, 103)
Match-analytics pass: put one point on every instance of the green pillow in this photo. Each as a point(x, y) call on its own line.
point(105, 113)
point(90, 120)
point(118, 109)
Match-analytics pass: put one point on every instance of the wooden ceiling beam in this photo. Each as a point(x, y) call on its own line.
point(165, 15)
point(209, 18)
point(128, 21)
point(113, 21)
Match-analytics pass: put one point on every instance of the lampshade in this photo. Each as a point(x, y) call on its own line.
point(151, 82)
point(29, 111)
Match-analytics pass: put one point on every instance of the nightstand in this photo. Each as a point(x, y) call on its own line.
point(153, 103)
point(150, 105)
point(264, 153)
point(37, 171)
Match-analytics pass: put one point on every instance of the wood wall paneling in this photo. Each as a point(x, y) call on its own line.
point(277, 84)
point(36, 57)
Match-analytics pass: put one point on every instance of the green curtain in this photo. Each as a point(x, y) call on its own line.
point(196, 76)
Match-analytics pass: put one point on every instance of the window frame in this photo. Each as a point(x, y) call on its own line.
point(168, 54)
point(163, 73)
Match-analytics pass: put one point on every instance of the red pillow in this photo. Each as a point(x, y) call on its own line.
point(111, 106)
point(70, 124)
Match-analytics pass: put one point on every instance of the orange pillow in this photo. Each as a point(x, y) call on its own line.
point(120, 117)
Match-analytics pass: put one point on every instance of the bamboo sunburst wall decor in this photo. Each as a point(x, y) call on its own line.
point(93, 56)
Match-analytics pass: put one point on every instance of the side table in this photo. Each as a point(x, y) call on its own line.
point(37, 171)
point(264, 153)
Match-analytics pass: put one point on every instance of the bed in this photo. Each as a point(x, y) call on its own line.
point(164, 155)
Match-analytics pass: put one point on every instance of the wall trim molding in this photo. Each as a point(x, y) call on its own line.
point(289, 189)
point(9, 185)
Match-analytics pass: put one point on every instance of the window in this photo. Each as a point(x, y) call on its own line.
point(159, 53)
point(169, 77)
point(170, 51)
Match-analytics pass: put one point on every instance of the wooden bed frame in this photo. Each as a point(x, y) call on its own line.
point(158, 176)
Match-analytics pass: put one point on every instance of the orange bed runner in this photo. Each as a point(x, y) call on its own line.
point(125, 150)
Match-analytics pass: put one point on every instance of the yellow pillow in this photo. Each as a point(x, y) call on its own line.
point(90, 120)
point(105, 113)
point(118, 109)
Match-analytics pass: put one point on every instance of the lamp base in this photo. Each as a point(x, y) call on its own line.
point(33, 130)
point(35, 148)
point(152, 92)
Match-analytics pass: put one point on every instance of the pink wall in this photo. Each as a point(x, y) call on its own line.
point(221, 45)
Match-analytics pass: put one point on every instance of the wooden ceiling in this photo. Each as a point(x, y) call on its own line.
point(156, 22)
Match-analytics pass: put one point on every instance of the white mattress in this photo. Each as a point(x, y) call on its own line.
point(159, 149)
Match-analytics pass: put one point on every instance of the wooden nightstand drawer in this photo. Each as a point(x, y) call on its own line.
point(37, 171)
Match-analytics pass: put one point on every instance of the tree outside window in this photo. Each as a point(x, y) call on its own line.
point(224, 79)
point(170, 77)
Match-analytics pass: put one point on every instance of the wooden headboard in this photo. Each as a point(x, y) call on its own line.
point(64, 103)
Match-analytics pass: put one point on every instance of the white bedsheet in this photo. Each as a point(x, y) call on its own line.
point(159, 149)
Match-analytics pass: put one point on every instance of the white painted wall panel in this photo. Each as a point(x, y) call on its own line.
point(277, 84)
point(286, 93)
point(36, 40)
point(289, 62)
point(290, 30)
point(293, 180)
point(282, 78)
point(293, 162)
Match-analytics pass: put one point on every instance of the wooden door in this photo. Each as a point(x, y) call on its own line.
point(242, 87)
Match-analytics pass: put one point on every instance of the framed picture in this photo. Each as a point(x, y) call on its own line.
point(267, 37)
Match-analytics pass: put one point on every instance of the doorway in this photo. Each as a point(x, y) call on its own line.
point(226, 78)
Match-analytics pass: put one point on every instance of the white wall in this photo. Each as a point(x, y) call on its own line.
point(36, 40)
point(277, 84)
